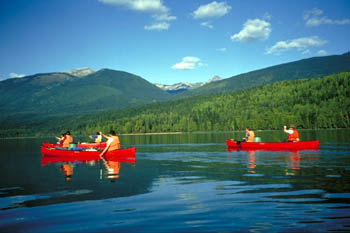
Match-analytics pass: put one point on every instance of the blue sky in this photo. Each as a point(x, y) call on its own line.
point(168, 41)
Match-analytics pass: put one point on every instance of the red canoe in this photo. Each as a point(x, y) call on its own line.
point(101, 145)
point(304, 145)
point(54, 155)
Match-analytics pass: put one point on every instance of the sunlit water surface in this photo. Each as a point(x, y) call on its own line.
point(180, 183)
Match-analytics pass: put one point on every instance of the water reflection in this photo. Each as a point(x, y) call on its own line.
point(186, 187)
point(67, 170)
point(251, 161)
point(293, 163)
point(290, 159)
point(111, 168)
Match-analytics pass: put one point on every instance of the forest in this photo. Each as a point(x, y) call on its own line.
point(307, 103)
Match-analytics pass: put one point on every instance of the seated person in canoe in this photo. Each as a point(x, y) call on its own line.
point(68, 139)
point(249, 135)
point(97, 138)
point(113, 142)
point(293, 135)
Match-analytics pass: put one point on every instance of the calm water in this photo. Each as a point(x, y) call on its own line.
point(180, 183)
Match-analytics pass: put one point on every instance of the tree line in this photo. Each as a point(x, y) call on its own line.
point(307, 103)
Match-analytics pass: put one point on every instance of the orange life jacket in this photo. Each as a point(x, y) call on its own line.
point(67, 140)
point(293, 137)
point(115, 144)
point(251, 136)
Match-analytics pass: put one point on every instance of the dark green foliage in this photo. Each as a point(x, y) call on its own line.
point(308, 103)
point(307, 68)
point(47, 104)
point(58, 93)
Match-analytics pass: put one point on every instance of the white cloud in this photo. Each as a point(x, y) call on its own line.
point(313, 18)
point(211, 10)
point(158, 26)
point(322, 52)
point(312, 13)
point(163, 17)
point(207, 24)
point(15, 75)
point(253, 29)
point(188, 63)
point(151, 6)
point(307, 51)
point(221, 49)
point(156, 8)
point(300, 44)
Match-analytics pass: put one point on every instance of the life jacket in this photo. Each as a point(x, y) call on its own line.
point(293, 137)
point(98, 139)
point(115, 144)
point(251, 136)
point(68, 139)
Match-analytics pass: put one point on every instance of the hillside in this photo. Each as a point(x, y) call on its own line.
point(308, 103)
point(306, 68)
point(57, 93)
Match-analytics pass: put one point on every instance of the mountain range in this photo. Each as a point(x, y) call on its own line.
point(83, 90)
point(62, 92)
point(80, 72)
point(306, 68)
point(185, 86)
point(172, 89)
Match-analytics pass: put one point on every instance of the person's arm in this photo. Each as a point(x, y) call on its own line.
point(246, 136)
point(288, 131)
point(106, 148)
point(103, 135)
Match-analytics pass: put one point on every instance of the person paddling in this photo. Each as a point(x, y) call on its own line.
point(67, 140)
point(97, 138)
point(113, 142)
point(61, 139)
point(249, 135)
point(293, 135)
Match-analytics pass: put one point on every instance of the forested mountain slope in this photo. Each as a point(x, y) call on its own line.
point(308, 103)
point(62, 93)
point(306, 68)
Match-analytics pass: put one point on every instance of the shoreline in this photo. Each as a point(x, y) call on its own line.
point(126, 134)
point(169, 133)
point(160, 133)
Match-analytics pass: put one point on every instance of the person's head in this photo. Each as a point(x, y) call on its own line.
point(292, 126)
point(246, 129)
point(112, 132)
point(68, 132)
point(98, 133)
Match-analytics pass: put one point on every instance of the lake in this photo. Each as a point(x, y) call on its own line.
point(180, 183)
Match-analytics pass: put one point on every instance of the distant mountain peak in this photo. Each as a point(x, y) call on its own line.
point(80, 72)
point(184, 86)
point(214, 79)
